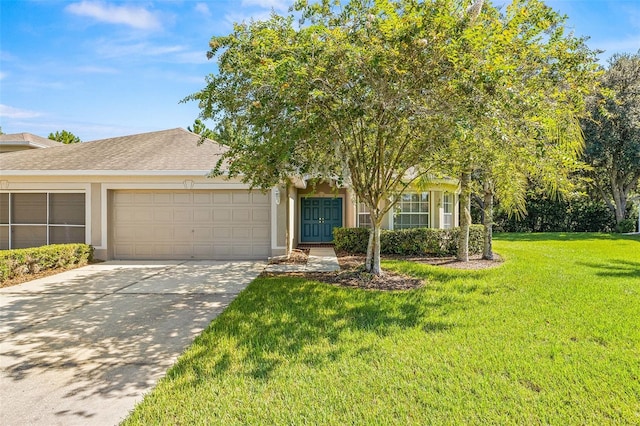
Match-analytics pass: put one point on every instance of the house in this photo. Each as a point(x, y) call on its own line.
point(147, 196)
point(25, 141)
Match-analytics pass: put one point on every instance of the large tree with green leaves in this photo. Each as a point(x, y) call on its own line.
point(519, 81)
point(357, 93)
point(613, 133)
point(65, 137)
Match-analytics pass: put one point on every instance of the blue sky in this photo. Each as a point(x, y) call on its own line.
point(108, 68)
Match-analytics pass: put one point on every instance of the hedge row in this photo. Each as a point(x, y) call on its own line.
point(18, 262)
point(414, 241)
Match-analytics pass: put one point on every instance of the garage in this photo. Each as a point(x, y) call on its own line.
point(189, 224)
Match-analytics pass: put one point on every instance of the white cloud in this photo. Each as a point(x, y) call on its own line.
point(203, 9)
point(133, 16)
point(268, 4)
point(11, 112)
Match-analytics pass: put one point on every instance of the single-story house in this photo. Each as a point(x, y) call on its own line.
point(147, 196)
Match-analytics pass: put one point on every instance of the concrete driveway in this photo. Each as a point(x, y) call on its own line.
point(83, 346)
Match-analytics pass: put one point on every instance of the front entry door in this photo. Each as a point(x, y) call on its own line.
point(319, 217)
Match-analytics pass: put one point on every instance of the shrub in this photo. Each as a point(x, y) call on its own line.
point(577, 213)
point(413, 241)
point(626, 225)
point(33, 260)
point(351, 240)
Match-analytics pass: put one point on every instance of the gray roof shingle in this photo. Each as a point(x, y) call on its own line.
point(167, 150)
point(28, 139)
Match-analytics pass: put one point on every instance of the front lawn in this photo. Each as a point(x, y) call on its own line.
point(552, 336)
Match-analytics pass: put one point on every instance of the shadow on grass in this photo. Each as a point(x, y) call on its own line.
point(283, 319)
point(615, 268)
point(563, 236)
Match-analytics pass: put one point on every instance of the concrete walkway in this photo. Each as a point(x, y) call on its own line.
point(321, 259)
point(82, 347)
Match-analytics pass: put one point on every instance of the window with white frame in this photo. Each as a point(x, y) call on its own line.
point(364, 217)
point(412, 211)
point(37, 219)
point(447, 208)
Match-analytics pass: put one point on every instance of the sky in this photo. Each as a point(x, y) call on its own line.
point(103, 68)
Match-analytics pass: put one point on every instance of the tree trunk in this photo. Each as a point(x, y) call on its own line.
point(465, 216)
point(619, 199)
point(368, 263)
point(487, 221)
point(375, 267)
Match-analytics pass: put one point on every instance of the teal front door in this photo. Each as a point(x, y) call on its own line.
point(319, 217)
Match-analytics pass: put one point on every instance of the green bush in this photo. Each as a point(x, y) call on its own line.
point(414, 241)
point(576, 213)
point(626, 225)
point(18, 262)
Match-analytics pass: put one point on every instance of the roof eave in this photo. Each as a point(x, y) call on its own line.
point(6, 173)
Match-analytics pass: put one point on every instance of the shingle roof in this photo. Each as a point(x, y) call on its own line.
point(167, 150)
point(28, 139)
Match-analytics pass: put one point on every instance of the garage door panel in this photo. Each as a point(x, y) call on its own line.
point(162, 233)
point(182, 198)
point(241, 215)
point(223, 198)
point(241, 198)
point(221, 215)
point(125, 233)
point(124, 251)
point(203, 251)
point(163, 214)
point(241, 233)
point(201, 215)
point(260, 252)
point(202, 198)
point(143, 198)
point(260, 233)
point(203, 234)
point(224, 224)
point(160, 198)
point(182, 215)
point(260, 198)
point(259, 215)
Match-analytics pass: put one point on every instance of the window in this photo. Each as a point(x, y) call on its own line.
point(447, 207)
point(364, 218)
point(412, 211)
point(37, 219)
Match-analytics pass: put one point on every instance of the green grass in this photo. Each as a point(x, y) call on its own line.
point(550, 337)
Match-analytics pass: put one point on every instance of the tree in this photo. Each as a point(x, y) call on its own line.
point(519, 84)
point(199, 128)
point(613, 133)
point(356, 94)
point(64, 137)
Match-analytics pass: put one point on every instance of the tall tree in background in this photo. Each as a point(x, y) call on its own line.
point(199, 128)
point(613, 133)
point(64, 137)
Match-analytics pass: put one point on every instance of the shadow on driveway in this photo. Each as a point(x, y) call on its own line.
point(82, 347)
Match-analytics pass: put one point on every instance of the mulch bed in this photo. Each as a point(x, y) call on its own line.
point(297, 257)
point(353, 275)
point(41, 274)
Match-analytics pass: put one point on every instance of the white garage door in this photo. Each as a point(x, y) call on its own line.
point(220, 224)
